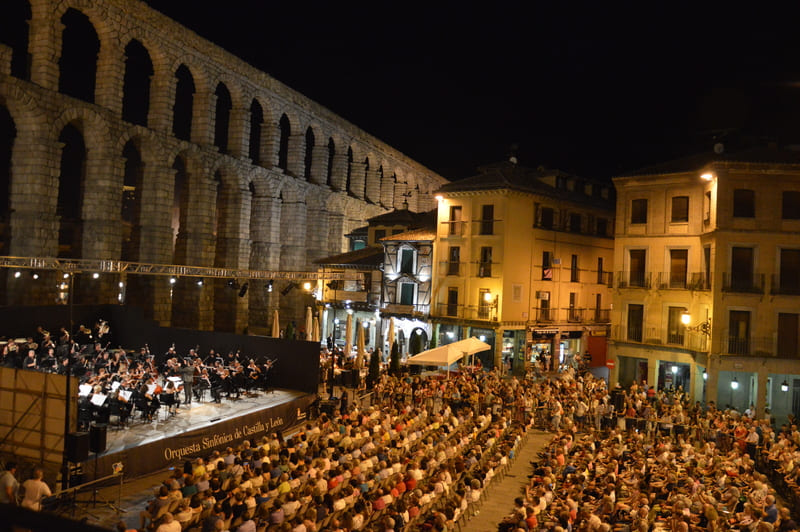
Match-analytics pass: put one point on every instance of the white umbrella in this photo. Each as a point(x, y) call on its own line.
point(348, 336)
point(360, 345)
point(391, 334)
point(315, 333)
point(309, 324)
point(276, 324)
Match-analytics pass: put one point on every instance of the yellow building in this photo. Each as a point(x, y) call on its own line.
point(523, 259)
point(707, 292)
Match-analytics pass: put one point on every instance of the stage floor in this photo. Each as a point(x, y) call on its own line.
point(190, 418)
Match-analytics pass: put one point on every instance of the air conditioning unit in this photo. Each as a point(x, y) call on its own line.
point(541, 294)
point(556, 262)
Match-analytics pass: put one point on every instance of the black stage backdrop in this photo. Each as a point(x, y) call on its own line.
point(296, 362)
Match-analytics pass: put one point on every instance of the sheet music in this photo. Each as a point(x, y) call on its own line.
point(114, 386)
point(176, 380)
point(151, 388)
point(125, 394)
point(84, 390)
point(98, 399)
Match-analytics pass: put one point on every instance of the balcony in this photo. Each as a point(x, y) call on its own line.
point(691, 340)
point(751, 346)
point(452, 267)
point(574, 315)
point(736, 282)
point(634, 279)
point(600, 315)
point(605, 278)
point(345, 295)
point(451, 310)
point(484, 269)
point(545, 314)
point(699, 281)
point(672, 280)
point(454, 227)
point(787, 284)
point(406, 310)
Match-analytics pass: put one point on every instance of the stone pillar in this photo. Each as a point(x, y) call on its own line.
point(5, 59)
point(387, 191)
point(232, 251)
point(239, 132)
point(357, 179)
point(339, 175)
point(192, 305)
point(317, 227)
point(154, 243)
point(44, 45)
point(712, 384)
point(319, 165)
point(293, 257)
point(295, 162)
point(270, 144)
point(162, 99)
point(110, 75)
point(335, 233)
point(373, 186)
point(399, 198)
point(265, 254)
point(202, 116)
point(498, 351)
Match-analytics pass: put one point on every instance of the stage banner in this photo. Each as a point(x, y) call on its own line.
point(173, 451)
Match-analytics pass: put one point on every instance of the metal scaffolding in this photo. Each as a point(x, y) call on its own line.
point(165, 270)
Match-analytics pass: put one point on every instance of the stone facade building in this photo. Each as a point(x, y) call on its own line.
point(126, 136)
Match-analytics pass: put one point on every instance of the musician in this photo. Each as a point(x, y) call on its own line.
point(211, 359)
point(48, 362)
point(186, 372)
point(170, 397)
point(102, 332)
point(30, 361)
point(83, 336)
point(252, 375)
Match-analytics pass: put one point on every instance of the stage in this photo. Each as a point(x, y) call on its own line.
point(196, 430)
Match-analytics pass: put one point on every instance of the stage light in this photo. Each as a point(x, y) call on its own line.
point(734, 384)
point(243, 291)
point(233, 283)
point(35, 276)
point(707, 176)
point(288, 288)
point(121, 284)
point(705, 375)
point(66, 276)
point(269, 285)
point(307, 286)
point(17, 274)
point(199, 282)
point(784, 386)
point(172, 280)
point(95, 275)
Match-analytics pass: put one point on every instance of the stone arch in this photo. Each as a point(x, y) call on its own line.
point(255, 138)
point(8, 134)
point(136, 83)
point(131, 197)
point(285, 131)
point(80, 51)
point(180, 205)
point(183, 102)
point(222, 116)
point(71, 189)
point(14, 25)
point(331, 155)
point(308, 159)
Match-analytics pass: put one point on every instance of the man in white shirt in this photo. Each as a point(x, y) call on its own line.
point(35, 489)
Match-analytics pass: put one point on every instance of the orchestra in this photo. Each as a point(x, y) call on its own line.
point(116, 385)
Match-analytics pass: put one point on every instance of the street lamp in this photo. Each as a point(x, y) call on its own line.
point(491, 302)
point(704, 327)
point(735, 384)
point(784, 386)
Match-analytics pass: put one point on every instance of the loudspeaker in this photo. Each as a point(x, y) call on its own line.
point(327, 407)
point(76, 446)
point(97, 437)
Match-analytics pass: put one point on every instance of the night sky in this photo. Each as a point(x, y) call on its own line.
point(591, 89)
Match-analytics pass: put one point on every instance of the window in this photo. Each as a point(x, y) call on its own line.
point(678, 261)
point(602, 227)
point(574, 275)
point(739, 332)
point(406, 293)
point(790, 205)
point(454, 261)
point(455, 220)
point(406, 261)
point(707, 207)
point(487, 220)
point(635, 322)
point(680, 209)
point(706, 282)
point(744, 203)
point(675, 327)
point(638, 260)
point(639, 211)
point(787, 335)
point(483, 305)
point(545, 313)
point(485, 266)
point(790, 271)
point(379, 233)
point(600, 279)
point(598, 307)
point(546, 218)
point(741, 268)
point(575, 223)
point(574, 313)
point(452, 301)
point(547, 266)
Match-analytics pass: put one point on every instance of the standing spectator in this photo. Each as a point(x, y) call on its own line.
point(35, 489)
point(9, 485)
